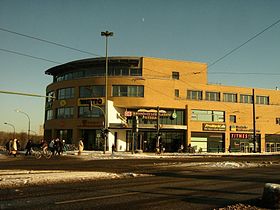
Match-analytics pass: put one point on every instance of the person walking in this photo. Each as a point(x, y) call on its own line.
point(28, 147)
point(81, 147)
point(14, 147)
point(51, 146)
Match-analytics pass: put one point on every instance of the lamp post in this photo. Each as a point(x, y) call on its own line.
point(28, 133)
point(11, 126)
point(106, 34)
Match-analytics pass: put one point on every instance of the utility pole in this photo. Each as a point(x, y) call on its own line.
point(106, 34)
point(158, 134)
point(254, 121)
point(135, 128)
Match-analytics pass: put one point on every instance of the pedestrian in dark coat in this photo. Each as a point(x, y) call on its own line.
point(28, 147)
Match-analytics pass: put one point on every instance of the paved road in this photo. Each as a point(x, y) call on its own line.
point(169, 187)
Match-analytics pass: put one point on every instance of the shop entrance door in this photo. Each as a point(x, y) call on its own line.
point(244, 147)
point(270, 147)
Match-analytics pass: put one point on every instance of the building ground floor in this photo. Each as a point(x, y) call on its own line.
point(170, 130)
point(172, 140)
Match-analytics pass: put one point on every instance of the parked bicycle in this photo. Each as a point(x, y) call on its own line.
point(39, 153)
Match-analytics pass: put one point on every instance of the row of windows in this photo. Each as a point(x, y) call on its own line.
point(87, 112)
point(227, 97)
point(196, 115)
point(98, 91)
point(68, 113)
point(138, 91)
point(99, 72)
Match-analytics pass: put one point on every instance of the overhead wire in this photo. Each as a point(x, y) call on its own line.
point(246, 42)
point(47, 41)
point(29, 56)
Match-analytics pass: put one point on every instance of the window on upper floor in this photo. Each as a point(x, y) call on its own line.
point(128, 90)
point(247, 99)
point(92, 91)
point(208, 115)
point(65, 113)
point(49, 114)
point(175, 75)
point(230, 97)
point(177, 93)
point(65, 93)
point(232, 118)
point(262, 100)
point(212, 96)
point(86, 112)
point(278, 120)
point(194, 94)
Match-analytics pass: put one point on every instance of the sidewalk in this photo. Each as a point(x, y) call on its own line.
point(128, 155)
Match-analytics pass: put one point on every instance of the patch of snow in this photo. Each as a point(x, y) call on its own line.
point(17, 178)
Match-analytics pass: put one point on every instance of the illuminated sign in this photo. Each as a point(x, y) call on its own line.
point(91, 101)
point(213, 127)
point(152, 115)
point(241, 128)
point(240, 136)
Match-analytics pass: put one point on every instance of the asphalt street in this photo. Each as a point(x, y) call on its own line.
point(167, 187)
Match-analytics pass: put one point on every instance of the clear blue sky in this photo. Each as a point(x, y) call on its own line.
point(192, 30)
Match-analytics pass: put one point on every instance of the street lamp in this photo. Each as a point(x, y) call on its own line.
point(28, 133)
point(11, 126)
point(106, 34)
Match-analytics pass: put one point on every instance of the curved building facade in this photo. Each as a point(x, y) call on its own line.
point(157, 103)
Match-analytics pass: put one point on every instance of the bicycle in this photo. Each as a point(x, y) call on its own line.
point(39, 153)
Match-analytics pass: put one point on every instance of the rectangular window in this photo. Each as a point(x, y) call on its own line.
point(194, 94)
point(212, 96)
point(49, 114)
point(208, 116)
point(136, 72)
point(278, 120)
point(128, 90)
point(86, 112)
point(65, 113)
point(65, 93)
point(232, 118)
point(230, 97)
point(92, 91)
point(175, 75)
point(177, 93)
point(262, 100)
point(247, 99)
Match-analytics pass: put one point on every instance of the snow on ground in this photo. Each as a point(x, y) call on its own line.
point(216, 165)
point(17, 178)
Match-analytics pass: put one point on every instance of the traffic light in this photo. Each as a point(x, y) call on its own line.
point(104, 133)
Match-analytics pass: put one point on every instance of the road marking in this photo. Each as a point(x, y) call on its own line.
point(94, 198)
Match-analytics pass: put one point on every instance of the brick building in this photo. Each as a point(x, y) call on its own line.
point(170, 98)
